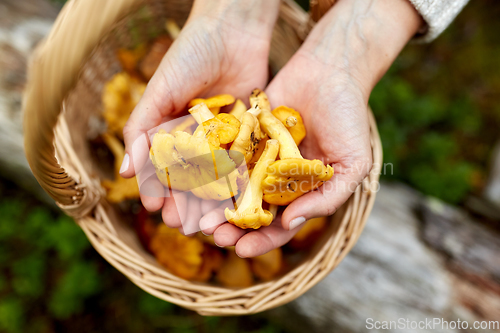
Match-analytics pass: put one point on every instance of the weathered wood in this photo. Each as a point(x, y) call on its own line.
point(492, 191)
point(22, 25)
point(416, 259)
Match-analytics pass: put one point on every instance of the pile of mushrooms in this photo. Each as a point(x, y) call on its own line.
point(213, 159)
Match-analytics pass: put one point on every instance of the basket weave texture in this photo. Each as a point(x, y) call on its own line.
point(63, 97)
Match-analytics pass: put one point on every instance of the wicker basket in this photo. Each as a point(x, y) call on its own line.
point(63, 97)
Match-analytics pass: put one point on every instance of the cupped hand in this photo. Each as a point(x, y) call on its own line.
point(329, 81)
point(223, 48)
point(334, 110)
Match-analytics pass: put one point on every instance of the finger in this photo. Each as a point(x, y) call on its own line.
point(322, 202)
point(209, 205)
point(213, 219)
point(228, 235)
point(167, 93)
point(175, 209)
point(191, 224)
point(263, 240)
point(156, 199)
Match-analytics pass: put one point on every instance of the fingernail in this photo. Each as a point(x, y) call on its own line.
point(125, 164)
point(296, 222)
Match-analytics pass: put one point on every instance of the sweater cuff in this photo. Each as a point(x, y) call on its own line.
point(437, 14)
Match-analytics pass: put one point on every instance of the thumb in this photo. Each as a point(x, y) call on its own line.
point(327, 199)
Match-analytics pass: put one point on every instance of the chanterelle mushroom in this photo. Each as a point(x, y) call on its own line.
point(293, 121)
point(235, 271)
point(249, 213)
point(182, 255)
point(247, 139)
point(120, 96)
point(268, 265)
point(119, 189)
point(195, 162)
point(291, 176)
point(239, 109)
point(213, 103)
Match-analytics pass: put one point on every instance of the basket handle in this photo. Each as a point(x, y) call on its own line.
point(318, 8)
point(53, 72)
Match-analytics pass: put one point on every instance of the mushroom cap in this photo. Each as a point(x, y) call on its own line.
point(130, 58)
point(298, 131)
point(217, 101)
point(309, 233)
point(247, 139)
point(268, 265)
point(120, 96)
point(221, 129)
point(235, 271)
point(182, 255)
point(120, 188)
point(249, 219)
point(289, 179)
point(187, 163)
point(213, 103)
point(212, 262)
point(239, 109)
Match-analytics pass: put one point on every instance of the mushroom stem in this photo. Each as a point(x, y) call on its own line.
point(253, 195)
point(273, 209)
point(239, 109)
point(201, 113)
point(249, 213)
point(290, 121)
point(255, 110)
point(273, 126)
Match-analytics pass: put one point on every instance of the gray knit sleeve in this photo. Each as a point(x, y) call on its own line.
point(437, 14)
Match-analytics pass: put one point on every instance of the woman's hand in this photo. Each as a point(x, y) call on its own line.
point(223, 48)
point(329, 81)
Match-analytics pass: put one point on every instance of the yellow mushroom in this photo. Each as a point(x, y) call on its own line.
point(120, 96)
point(184, 162)
point(249, 213)
point(239, 109)
point(212, 262)
point(213, 103)
point(182, 255)
point(222, 129)
point(218, 131)
point(291, 176)
point(195, 162)
point(293, 121)
point(129, 58)
point(247, 139)
point(268, 265)
point(119, 189)
point(235, 271)
point(217, 101)
point(309, 233)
